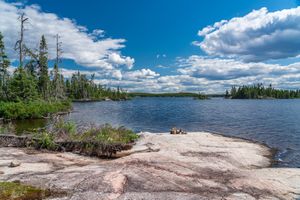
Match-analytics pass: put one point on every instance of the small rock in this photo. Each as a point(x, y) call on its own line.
point(176, 131)
point(173, 131)
point(14, 164)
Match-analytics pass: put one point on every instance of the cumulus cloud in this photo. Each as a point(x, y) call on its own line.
point(141, 74)
point(228, 72)
point(225, 69)
point(260, 35)
point(118, 59)
point(200, 74)
point(84, 47)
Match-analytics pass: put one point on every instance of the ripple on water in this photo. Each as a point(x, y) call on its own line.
point(274, 122)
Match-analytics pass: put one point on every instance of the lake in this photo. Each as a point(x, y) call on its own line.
point(273, 122)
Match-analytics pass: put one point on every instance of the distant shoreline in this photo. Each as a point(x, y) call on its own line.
point(180, 94)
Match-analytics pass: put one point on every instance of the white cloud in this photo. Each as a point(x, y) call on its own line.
point(117, 74)
point(162, 66)
point(210, 29)
point(78, 44)
point(97, 33)
point(225, 69)
point(200, 74)
point(140, 74)
point(228, 72)
point(260, 35)
point(121, 60)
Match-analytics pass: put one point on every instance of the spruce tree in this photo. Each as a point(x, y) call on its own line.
point(43, 77)
point(22, 86)
point(57, 84)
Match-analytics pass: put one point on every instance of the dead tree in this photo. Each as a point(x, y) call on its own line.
point(58, 82)
point(20, 43)
point(58, 50)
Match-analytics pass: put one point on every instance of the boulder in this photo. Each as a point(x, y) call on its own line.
point(14, 164)
point(175, 131)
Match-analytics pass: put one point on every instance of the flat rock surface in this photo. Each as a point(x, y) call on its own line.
point(160, 166)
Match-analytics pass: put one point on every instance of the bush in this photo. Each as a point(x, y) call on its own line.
point(68, 131)
point(109, 134)
point(45, 140)
point(65, 130)
point(32, 109)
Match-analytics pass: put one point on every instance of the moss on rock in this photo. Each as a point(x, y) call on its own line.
point(18, 191)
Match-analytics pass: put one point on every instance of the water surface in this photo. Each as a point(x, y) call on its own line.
point(274, 122)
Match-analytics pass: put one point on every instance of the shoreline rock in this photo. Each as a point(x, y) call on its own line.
point(160, 166)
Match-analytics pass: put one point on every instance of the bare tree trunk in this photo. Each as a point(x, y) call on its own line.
point(23, 19)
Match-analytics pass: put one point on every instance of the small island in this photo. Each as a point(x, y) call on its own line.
point(259, 91)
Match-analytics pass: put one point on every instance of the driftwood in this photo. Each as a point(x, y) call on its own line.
point(89, 148)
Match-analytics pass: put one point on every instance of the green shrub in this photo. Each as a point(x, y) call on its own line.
point(45, 140)
point(105, 134)
point(67, 129)
point(32, 109)
point(109, 134)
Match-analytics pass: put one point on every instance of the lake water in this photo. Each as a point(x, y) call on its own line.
point(274, 122)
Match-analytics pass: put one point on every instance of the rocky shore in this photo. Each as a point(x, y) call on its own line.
point(159, 166)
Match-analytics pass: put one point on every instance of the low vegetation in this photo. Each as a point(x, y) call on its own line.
point(259, 91)
point(18, 191)
point(107, 134)
point(32, 109)
point(89, 140)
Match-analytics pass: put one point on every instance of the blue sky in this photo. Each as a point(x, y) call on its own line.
point(157, 26)
point(156, 45)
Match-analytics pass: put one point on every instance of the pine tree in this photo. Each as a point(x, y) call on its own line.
point(4, 64)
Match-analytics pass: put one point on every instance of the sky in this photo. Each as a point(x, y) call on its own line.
point(165, 46)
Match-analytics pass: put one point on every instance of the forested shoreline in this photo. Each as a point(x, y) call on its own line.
point(179, 94)
point(259, 91)
point(32, 90)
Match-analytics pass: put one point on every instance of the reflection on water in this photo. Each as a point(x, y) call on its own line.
point(20, 127)
point(23, 126)
point(274, 122)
